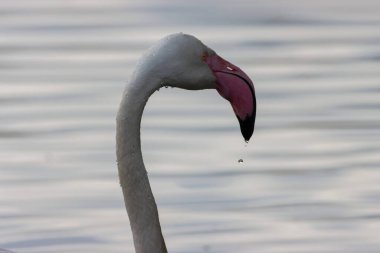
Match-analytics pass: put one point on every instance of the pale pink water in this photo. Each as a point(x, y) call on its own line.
point(310, 178)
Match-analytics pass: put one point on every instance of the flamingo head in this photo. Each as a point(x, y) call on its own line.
point(189, 64)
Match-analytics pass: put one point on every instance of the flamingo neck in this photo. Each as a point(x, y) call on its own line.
point(138, 196)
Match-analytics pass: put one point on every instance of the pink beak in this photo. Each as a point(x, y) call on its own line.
point(235, 86)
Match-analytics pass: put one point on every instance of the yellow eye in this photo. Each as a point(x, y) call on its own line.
point(204, 56)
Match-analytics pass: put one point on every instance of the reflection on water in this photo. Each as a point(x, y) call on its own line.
point(309, 181)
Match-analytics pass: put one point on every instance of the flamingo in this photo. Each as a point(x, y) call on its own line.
point(181, 61)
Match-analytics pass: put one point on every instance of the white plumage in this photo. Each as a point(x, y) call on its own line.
point(181, 61)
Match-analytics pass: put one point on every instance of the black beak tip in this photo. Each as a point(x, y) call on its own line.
point(247, 126)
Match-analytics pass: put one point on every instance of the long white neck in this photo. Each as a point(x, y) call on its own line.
point(138, 196)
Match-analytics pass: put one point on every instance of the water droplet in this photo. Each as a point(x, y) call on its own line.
point(240, 160)
point(206, 248)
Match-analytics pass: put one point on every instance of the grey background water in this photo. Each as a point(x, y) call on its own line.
point(310, 177)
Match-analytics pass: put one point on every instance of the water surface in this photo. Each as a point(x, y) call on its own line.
point(310, 178)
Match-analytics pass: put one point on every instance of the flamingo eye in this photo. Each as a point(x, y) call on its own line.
point(204, 56)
